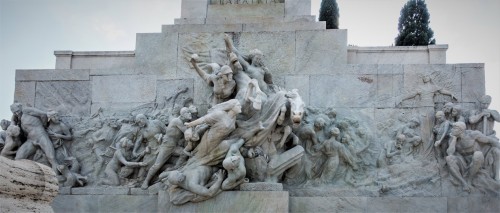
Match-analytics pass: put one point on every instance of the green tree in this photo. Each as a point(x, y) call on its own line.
point(413, 25)
point(329, 12)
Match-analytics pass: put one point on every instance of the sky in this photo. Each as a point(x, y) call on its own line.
point(30, 31)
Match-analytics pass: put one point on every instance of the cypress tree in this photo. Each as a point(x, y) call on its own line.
point(329, 12)
point(413, 25)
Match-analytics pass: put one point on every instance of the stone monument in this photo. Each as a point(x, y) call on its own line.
point(255, 106)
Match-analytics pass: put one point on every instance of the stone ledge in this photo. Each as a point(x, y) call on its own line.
point(261, 187)
point(202, 28)
point(101, 191)
point(53, 75)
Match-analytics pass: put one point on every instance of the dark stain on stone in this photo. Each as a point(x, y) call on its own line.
point(365, 79)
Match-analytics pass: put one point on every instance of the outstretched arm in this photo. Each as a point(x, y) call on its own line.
point(201, 73)
point(234, 149)
point(446, 92)
point(487, 140)
point(122, 159)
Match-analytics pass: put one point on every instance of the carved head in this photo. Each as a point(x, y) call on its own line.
point(126, 143)
point(319, 123)
point(53, 116)
point(457, 128)
point(414, 123)
point(193, 110)
point(4, 124)
point(485, 101)
point(447, 107)
point(231, 162)
point(16, 108)
point(440, 116)
point(186, 114)
point(426, 78)
point(141, 120)
point(456, 110)
point(334, 132)
point(296, 107)
point(257, 56)
point(175, 177)
point(13, 131)
point(400, 139)
point(237, 107)
point(226, 73)
point(114, 123)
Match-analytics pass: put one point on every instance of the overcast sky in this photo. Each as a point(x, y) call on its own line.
point(30, 31)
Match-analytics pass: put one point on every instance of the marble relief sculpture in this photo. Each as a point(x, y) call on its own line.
point(256, 131)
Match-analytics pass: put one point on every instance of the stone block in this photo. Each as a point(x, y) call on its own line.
point(156, 54)
point(189, 21)
point(330, 90)
point(202, 28)
point(262, 186)
point(166, 89)
point(388, 69)
point(231, 201)
point(194, 8)
point(235, 11)
point(202, 92)
point(328, 204)
point(437, 54)
point(128, 203)
point(24, 92)
point(386, 92)
point(63, 59)
point(297, 8)
point(101, 191)
point(71, 203)
point(304, 18)
point(406, 204)
point(444, 79)
point(52, 75)
point(66, 97)
point(279, 61)
point(300, 82)
point(64, 190)
point(203, 44)
point(473, 83)
point(124, 88)
point(283, 26)
point(311, 46)
point(474, 204)
point(114, 71)
point(102, 61)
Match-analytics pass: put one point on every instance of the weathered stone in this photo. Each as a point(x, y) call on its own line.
point(63, 59)
point(52, 75)
point(139, 88)
point(72, 203)
point(398, 55)
point(279, 60)
point(406, 204)
point(66, 97)
point(201, 44)
point(189, 21)
point(297, 8)
point(194, 8)
point(102, 60)
point(473, 204)
point(311, 45)
point(156, 54)
point(329, 204)
point(473, 79)
point(330, 90)
point(169, 88)
point(127, 203)
point(26, 186)
point(231, 201)
point(24, 92)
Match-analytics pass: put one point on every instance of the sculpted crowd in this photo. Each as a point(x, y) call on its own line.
point(254, 131)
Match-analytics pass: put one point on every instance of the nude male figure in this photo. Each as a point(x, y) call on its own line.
point(32, 122)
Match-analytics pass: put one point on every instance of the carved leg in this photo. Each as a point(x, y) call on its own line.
point(47, 148)
point(496, 162)
point(477, 162)
point(162, 157)
point(455, 171)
